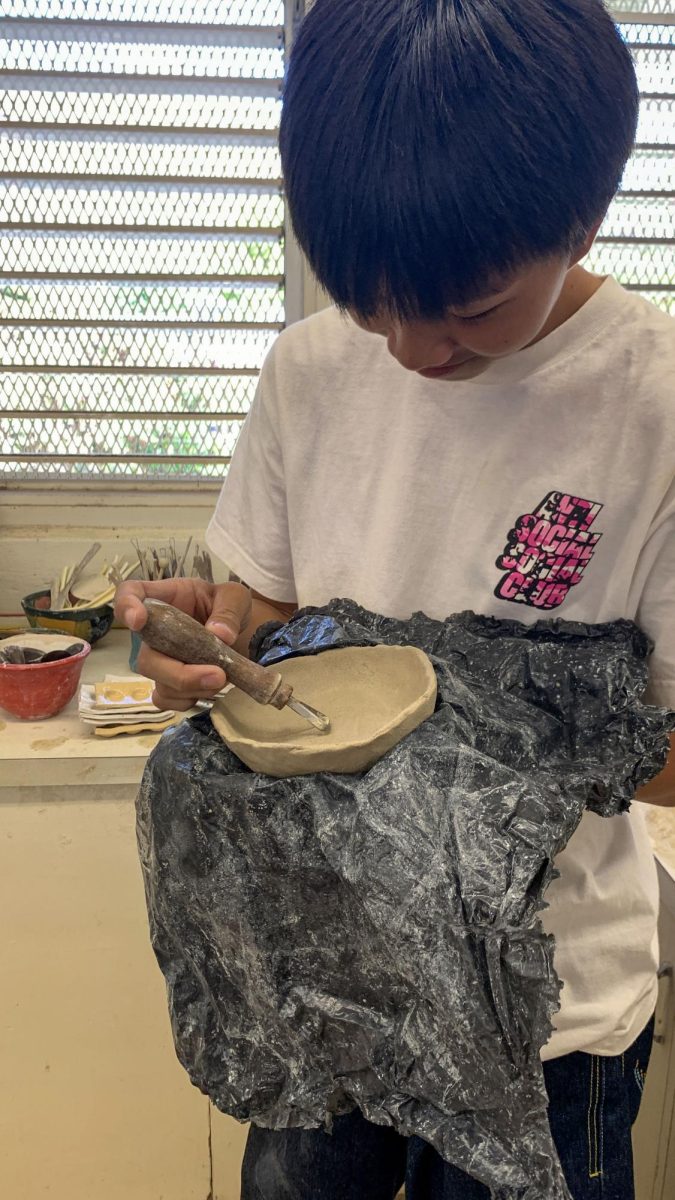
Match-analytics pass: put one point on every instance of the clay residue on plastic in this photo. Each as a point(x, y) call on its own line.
point(374, 940)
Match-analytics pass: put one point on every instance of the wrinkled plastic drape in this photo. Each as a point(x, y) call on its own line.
point(374, 940)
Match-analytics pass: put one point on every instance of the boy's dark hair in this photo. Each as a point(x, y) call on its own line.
point(430, 147)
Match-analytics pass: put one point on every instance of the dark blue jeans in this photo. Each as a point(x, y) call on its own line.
point(593, 1104)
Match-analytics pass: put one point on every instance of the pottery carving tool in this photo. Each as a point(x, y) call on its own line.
point(174, 633)
point(78, 571)
point(63, 584)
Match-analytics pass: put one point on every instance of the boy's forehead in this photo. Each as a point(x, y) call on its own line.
point(498, 284)
point(494, 289)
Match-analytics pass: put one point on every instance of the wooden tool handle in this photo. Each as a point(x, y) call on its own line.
point(174, 633)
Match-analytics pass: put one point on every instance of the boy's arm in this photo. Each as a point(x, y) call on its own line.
point(661, 790)
point(262, 610)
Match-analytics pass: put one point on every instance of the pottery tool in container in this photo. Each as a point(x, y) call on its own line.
point(179, 636)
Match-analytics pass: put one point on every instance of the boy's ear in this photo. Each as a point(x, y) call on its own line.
point(582, 248)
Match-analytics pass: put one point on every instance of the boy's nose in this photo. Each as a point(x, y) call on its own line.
point(416, 351)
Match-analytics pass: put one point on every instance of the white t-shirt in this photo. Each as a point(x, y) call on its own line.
point(543, 488)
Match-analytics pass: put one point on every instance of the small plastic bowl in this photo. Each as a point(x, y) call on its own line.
point(35, 691)
point(90, 624)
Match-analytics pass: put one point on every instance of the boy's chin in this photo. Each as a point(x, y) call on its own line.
point(468, 370)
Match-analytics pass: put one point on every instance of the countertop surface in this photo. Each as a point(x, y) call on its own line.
point(63, 751)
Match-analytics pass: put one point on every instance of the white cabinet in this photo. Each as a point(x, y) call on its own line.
point(93, 1102)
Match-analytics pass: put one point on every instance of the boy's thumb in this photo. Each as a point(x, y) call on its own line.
point(231, 611)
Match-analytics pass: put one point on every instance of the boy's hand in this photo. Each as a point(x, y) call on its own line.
point(224, 608)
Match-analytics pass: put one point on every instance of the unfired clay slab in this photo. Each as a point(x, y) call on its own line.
point(374, 696)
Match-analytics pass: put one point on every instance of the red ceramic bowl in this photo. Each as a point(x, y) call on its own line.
point(39, 690)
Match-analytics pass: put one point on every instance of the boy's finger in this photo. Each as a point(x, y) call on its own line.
point(129, 607)
point(164, 700)
point(163, 697)
point(129, 598)
point(176, 677)
point(230, 612)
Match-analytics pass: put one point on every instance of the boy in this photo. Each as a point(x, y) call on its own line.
point(479, 424)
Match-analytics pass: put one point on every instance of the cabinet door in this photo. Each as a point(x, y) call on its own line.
point(94, 1104)
point(654, 1133)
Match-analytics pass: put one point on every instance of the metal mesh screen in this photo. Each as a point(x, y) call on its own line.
point(637, 239)
point(141, 224)
point(141, 232)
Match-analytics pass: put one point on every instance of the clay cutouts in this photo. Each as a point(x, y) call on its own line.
point(374, 696)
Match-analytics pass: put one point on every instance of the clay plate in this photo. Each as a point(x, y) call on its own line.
point(374, 696)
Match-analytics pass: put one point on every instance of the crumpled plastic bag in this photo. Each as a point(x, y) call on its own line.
point(374, 940)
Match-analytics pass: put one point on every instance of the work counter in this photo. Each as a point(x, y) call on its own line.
point(63, 752)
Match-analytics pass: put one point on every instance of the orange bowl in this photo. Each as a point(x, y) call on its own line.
point(34, 691)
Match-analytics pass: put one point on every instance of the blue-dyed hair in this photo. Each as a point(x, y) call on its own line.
point(432, 147)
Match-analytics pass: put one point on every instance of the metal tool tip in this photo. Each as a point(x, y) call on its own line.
point(318, 719)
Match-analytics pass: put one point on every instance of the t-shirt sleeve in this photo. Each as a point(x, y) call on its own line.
point(655, 579)
point(249, 528)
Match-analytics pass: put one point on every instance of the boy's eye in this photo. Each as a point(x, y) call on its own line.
point(482, 315)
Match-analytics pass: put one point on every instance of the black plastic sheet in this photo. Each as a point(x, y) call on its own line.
point(374, 940)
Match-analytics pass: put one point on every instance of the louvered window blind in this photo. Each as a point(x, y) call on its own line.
point(141, 225)
point(141, 232)
point(637, 239)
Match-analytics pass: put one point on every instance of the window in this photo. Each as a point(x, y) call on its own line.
point(637, 240)
point(141, 232)
point(142, 225)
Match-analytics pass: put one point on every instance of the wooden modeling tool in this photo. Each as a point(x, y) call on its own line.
point(174, 633)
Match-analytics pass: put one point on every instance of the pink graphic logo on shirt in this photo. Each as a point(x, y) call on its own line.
point(548, 551)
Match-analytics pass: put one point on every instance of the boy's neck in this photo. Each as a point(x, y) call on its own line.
point(577, 289)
